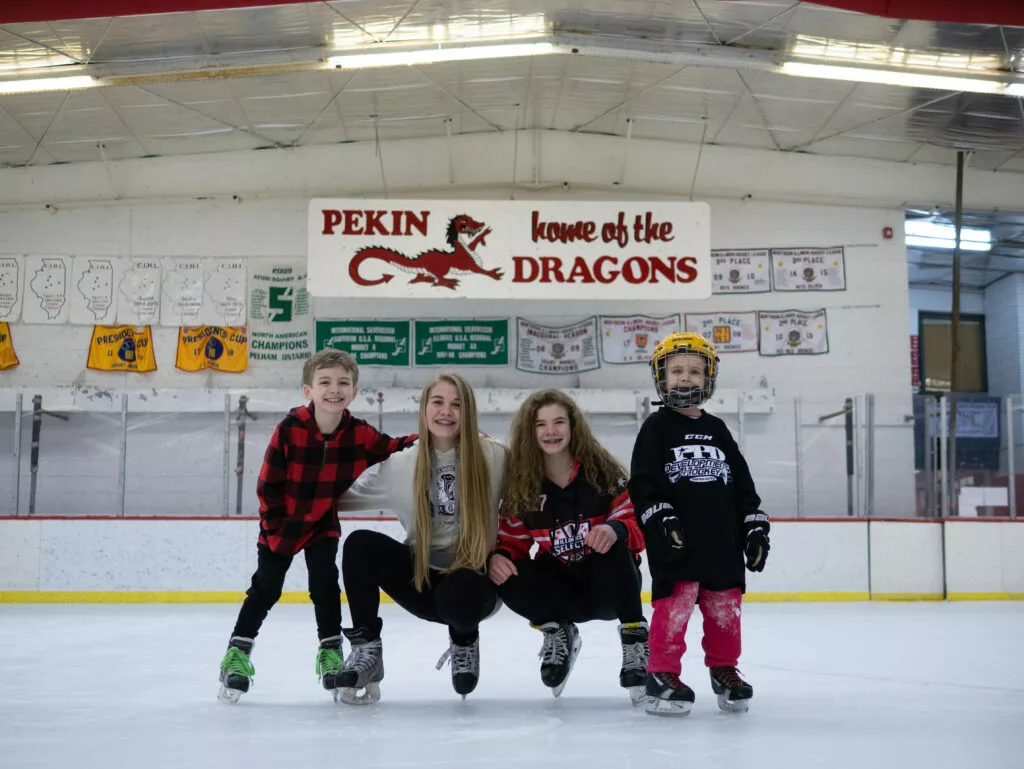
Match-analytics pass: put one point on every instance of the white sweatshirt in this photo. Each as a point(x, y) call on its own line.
point(388, 485)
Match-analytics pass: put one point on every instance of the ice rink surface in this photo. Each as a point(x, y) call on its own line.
point(843, 686)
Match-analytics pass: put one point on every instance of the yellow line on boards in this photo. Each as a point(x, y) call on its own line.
point(986, 596)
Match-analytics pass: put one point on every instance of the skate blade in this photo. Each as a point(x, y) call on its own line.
point(637, 695)
point(365, 696)
point(732, 706)
point(229, 695)
point(659, 707)
point(576, 646)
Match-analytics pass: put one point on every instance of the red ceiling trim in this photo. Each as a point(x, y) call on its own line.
point(56, 10)
point(1004, 12)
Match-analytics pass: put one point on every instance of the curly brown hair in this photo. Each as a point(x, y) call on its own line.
point(525, 467)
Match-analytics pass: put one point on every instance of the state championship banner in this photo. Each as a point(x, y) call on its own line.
point(370, 342)
point(46, 289)
point(121, 348)
point(793, 332)
point(727, 331)
point(632, 338)
point(8, 358)
point(93, 298)
point(279, 317)
point(741, 271)
point(437, 249)
point(557, 349)
point(462, 342)
point(221, 348)
point(10, 288)
point(139, 300)
point(809, 269)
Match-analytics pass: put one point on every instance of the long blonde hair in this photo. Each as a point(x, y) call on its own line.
point(525, 468)
point(473, 491)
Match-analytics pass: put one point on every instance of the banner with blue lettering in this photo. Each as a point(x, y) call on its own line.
point(221, 348)
point(121, 348)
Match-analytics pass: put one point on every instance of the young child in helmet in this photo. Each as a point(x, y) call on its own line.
point(696, 501)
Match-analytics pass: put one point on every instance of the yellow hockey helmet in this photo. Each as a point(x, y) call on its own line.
point(679, 343)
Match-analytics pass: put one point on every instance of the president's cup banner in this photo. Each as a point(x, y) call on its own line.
point(632, 338)
point(8, 358)
point(121, 348)
point(220, 348)
point(440, 249)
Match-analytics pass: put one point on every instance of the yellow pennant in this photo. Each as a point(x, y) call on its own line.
point(121, 348)
point(221, 348)
point(8, 358)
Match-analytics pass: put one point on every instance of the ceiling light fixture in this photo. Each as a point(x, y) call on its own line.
point(901, 78)
point(434, 55)
point(40, 84)
point(922, 234)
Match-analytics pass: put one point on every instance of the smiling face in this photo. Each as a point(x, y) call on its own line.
point(331, 390)
point(684, 370)
point(553, 429)
point(443, 414)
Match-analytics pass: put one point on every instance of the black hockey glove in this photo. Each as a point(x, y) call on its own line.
point(756, 548)
point(664, 533)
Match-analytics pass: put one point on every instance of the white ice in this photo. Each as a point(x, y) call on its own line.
point(856, 685)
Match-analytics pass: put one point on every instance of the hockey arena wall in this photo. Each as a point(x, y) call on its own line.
point(210, 561)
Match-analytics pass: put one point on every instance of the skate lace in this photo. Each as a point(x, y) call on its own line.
point(463, 659)
point(728, 676)
point(236, 662)
point(671, 679)
point(328, 661)
point(555, 649)
point(634, 656)
point(362, 658)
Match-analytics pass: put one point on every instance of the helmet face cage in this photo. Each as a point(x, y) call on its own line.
point(679, 344)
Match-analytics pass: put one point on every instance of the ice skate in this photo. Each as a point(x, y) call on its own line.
point(465, 664)
point(358, 683)
point(562, 644)
point(734, 694)
point(329, 662)
point(667, 695)
point(236, 671)
point(635, 651)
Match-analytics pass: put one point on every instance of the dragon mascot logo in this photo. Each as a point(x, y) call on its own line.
point(464, 236)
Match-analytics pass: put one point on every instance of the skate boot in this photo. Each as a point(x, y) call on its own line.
point(236, 671)
point(465, 665)
point(329, 662)
point(562, 644)
point(633, 675)
point(667, 695)
point(358, 682)
point(733, 692)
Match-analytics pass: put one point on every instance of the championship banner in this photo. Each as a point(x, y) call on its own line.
point(727, 331)
point(181, 293)
point(370, 342)
point(213, 347)
point(46, 289)
point(92, 299)
point(462, 342)
point(8, 358)
point(139, 302)
point(809, 269)
point(224, 283)
point(793, 332)
point(741, 271)
point(438, 249)
point(10, 288)
point(279, 319)
point(557, 349)
point(121, 348)
point(632, 338)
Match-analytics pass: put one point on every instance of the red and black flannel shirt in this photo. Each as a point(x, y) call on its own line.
point(304, 473)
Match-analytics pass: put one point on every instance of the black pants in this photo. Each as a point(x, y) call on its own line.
point(598, 587)
point(372, 561)
point(265, 590)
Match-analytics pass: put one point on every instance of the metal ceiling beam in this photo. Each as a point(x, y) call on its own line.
point(57, 10)
point(1008, 12)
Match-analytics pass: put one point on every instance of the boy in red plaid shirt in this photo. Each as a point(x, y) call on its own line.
point(314, 456)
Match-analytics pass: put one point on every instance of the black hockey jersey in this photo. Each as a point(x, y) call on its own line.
point(693, 464)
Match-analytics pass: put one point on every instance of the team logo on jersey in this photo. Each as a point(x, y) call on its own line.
point(568, 541)
point(444, 506)
point(698, 463)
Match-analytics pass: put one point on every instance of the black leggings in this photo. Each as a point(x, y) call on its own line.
point(267, 582)
point(372, 562)
point(599, 587)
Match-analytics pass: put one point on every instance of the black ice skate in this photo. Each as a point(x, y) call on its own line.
point(358, 683)
point(635, 651)
point(329, 662)
point(667, 695)
point(236, 671)
point(733, 692)
point(465, 664)
point(562, 644)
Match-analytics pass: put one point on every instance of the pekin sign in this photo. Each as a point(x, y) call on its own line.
point(509, 249)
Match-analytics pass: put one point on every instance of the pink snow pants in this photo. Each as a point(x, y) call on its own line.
point(721, 612)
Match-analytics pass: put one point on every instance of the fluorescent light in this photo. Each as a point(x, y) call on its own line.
point(432, 55)
point(895, 77)
point(946, 231)
point(946, 244)
point(47, 84)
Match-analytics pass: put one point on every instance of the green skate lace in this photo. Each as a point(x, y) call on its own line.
point(236, 662)
point(328, 661)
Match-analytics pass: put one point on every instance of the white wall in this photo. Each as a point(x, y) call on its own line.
point(929, 299)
